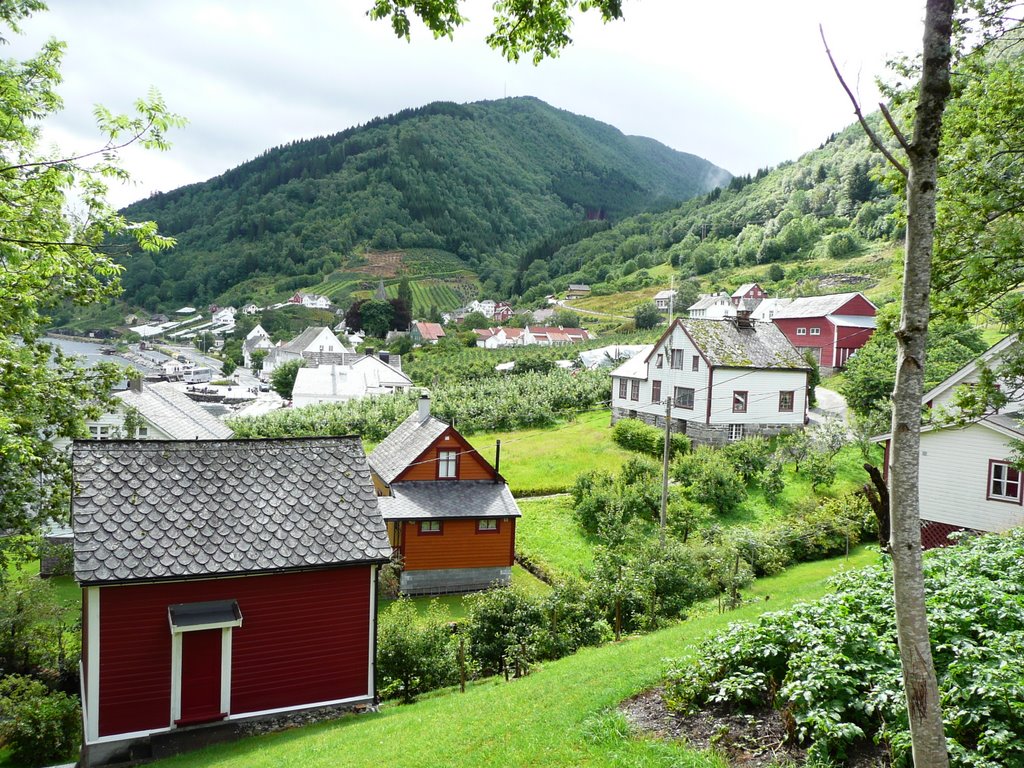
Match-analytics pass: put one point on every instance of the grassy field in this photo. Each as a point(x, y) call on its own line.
point(549, 535)
point(541, 461)
point(562, 715)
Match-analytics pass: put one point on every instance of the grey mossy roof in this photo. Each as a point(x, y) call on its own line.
point(175, 413)
point(447, 499)
point(401, 448)
point(726, 346)
point(146, 510)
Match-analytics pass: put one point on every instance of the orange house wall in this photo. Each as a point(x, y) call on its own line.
point(470, 465)
point(458, 546)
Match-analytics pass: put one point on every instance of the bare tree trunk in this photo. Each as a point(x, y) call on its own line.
point(919, 681)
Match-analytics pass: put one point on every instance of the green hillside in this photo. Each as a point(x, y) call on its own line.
point(477, 182)
point(824, 222)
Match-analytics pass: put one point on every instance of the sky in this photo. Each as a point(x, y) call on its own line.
point(745, 84)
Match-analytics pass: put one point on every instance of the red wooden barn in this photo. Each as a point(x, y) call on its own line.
point(223, 580)
point(448, 511)
point(832, 327)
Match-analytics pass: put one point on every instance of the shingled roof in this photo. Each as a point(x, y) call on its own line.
point(158, 509)
point(402, 447)
point(174, 412)
point(443, 499)
point(725, 345)
point(815, 306)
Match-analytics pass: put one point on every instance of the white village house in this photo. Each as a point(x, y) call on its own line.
point(366, 376)
point(162, 412)
point(256, 339)
point(727, 379)
point(711, 306)
point(967, 481)
point(317, 345)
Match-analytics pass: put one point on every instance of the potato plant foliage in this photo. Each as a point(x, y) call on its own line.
point(833, 665)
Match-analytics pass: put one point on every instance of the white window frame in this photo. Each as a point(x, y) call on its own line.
point(447, 465)
point(735, 432)
point(801, 331)
point(815, 331)
point(999, 473)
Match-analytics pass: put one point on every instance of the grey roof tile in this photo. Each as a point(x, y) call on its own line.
point(401, 448)
point(443, 499)
point(194, 523)
point(175, 413)
point(814, 306)
point(762, 345)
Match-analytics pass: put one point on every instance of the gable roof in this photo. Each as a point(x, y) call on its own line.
point(301, 343)
point(740, 292)
point(724, 345)
point(430, 331)
point(666, 294)
point(636, 366)
point(403, 446)
point(990, 354)
point(177, 509)
point(817, 306)
point(175, 413)
point(444, 499)
point(711, 300)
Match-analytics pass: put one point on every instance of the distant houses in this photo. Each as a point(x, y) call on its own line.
point(310, 300)
point(257, 339)
point(364, 376)
point(426, 333)
point(663, 300)
point(726, 379)
point(577, 291)
point(545, 336)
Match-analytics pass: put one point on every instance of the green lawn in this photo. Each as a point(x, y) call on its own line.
point(562, 715)
point(549, 535)
point(539, 461)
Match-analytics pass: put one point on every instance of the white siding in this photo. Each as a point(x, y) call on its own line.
point(762, 388)
point(954, 479)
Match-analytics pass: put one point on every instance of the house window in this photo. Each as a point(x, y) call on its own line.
point(446, 463)
point(677, 359)
point(735, 432)
point(739, 402)
point(634, 390)
point(1003, 482)
point(430, 527)
point(655, 391)
point(801, 331)
point(786, 402)
point(622, 389)
point(101, 432)
point(815, 331)
point(695, 363)
point(684, 397)
point(660, 362)
point(487, 526)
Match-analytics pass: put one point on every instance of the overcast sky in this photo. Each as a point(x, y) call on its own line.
point(744, 84)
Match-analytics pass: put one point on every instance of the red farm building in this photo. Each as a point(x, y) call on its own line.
point(832, 327)
point(222, 581)
point(448, 511)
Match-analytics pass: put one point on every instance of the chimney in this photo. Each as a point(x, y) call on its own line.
point(135, 384)
point(424, 407)
point(384, 355)
point(743, 319)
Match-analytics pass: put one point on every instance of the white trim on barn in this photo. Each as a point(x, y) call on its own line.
point(371, 675)
point(92, 692)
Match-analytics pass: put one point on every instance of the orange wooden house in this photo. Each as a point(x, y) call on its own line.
point(448, 512)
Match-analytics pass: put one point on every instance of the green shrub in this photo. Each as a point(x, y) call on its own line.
point(748, 456)
point(573, 620)
point(501, 628)
point(771, 480)
point(38, 726)
point(833, 666)
point(684, 468)
point(717, 485)
point(820, 469)
point(635, 435)
point(415, 653)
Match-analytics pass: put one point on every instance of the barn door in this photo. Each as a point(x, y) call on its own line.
point(200, 676)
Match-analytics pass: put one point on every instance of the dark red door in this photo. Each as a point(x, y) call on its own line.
point(200, 676)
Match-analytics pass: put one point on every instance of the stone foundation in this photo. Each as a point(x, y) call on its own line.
point(452, 580)
point(701, 433)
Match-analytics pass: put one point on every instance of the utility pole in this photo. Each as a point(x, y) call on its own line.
point(664, 468)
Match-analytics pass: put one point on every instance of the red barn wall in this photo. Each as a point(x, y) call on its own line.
point(858, 305)
point(304, 639)
point(459, 545)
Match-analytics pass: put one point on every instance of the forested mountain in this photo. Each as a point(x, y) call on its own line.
point(473, 185)
point(829, 204)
